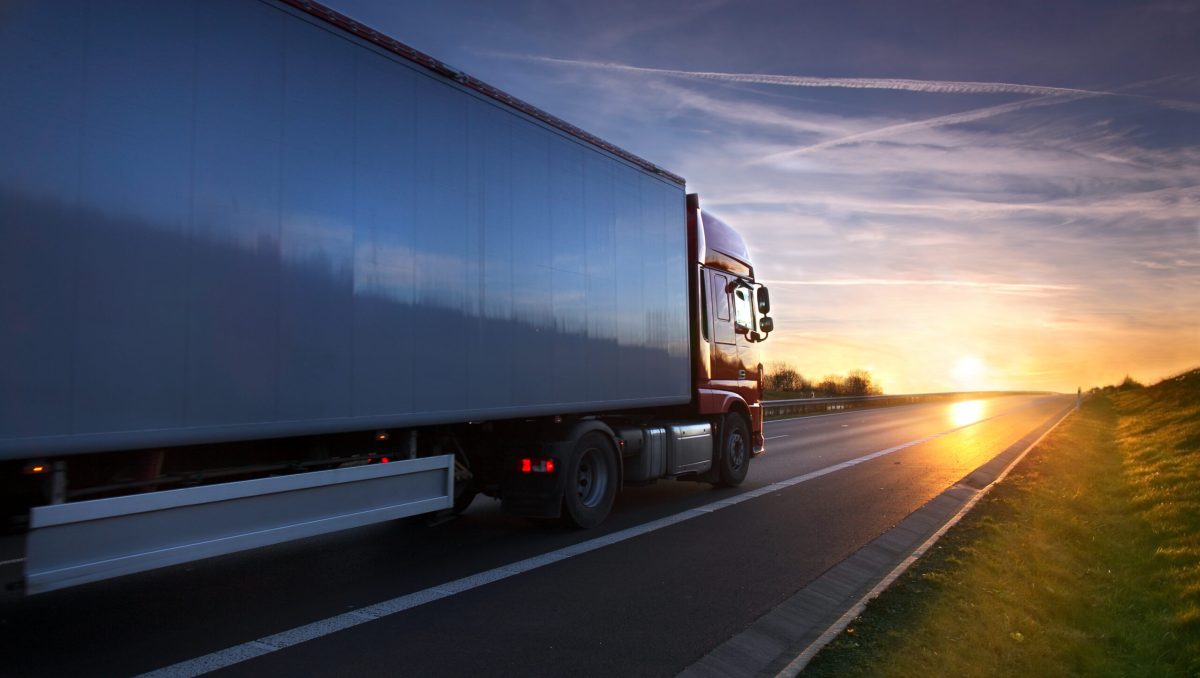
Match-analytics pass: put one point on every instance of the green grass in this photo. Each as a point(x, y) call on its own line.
point(1085, 561)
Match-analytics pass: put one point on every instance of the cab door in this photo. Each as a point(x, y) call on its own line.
point(725, 363)
point(744, 324)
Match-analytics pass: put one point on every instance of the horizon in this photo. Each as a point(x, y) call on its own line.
point(966, 198)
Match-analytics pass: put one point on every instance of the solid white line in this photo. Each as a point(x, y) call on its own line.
point(777, 437)
point(797, 665)
point(14, 561)
point(256, 648)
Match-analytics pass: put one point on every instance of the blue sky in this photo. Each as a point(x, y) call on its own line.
point(948, 194)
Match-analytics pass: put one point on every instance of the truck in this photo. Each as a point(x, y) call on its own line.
point(269, 273)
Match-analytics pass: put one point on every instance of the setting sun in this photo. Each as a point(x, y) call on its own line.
point(969, 373)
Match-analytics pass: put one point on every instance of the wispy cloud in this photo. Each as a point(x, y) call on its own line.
point(1008, 288)
point(928, 123)
point(908, 85)
point(1045, 96)
point(1070, 211)
point(646, 21)
point(898, 84)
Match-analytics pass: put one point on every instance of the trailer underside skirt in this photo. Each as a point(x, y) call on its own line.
point(76, 543)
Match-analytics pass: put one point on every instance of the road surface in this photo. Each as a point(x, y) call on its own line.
point(676, 570)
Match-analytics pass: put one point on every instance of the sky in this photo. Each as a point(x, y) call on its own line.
point(950, 195)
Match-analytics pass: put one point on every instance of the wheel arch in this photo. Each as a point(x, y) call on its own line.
point(736, 405)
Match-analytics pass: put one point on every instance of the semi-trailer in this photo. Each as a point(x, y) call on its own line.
point(268, 273)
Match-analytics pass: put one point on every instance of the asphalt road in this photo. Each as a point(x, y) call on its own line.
point(647, 605)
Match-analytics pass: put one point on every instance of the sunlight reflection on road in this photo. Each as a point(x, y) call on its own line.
point(967, 412)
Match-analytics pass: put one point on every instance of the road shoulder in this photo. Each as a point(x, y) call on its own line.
point(782, 641)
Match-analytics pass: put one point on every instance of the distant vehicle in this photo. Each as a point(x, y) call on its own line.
point(269, 273)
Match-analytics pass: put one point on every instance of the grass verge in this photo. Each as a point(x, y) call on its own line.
point(1085, 561)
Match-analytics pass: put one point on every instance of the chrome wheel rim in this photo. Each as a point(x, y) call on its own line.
point(737, 450)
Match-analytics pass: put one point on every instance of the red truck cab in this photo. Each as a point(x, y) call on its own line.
point(730, 310)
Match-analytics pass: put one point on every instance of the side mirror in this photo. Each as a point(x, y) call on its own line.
point(766, 324)
point(764, 301)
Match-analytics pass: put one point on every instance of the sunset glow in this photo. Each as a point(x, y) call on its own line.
point(969, 374)
point(923, 186)
point(967, 412)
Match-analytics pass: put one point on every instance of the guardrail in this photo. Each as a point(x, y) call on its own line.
point(778, 408)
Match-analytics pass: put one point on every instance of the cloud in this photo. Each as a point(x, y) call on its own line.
point(1067, 217)
point(1007, 288)
point(896, 84)
point(928, 123)
point(745, 112)
point(647, 21)
point(908, 85)
point(741, 110)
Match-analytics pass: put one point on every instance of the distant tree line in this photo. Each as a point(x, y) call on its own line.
point(1129, 384)
point(784, 378)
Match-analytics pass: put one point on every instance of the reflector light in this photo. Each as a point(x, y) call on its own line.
point(537, 466)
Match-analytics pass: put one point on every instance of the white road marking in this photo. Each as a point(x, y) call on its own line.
point(14, 561)
point(776, 437)
point(256, 648)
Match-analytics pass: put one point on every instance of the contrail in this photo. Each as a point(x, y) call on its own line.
point(903, 84)
point(892, 282)
point(930, 86)
point(1045, 96)
point(928, 123)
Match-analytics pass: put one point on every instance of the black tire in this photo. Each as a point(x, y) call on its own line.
point(463, 498)
point(734, 463)
point(466, 487)
point(591, 481)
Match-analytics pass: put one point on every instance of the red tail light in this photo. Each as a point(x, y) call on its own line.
point(537, 465)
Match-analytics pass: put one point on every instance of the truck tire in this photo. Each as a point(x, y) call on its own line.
point(591, 481)
point(465, 484)
point(734, 461)
point(463, 498)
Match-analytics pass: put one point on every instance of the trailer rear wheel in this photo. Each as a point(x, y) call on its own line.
point(465, 487)
point(735, 451)
point(591, 481)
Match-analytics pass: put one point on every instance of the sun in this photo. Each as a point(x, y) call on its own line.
point(969, 373)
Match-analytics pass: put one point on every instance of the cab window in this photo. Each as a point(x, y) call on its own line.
point(743, 314)
point(721, 297)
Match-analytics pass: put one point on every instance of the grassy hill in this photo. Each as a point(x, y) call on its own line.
point(1085, 561)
